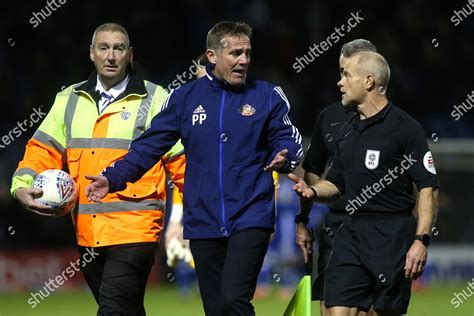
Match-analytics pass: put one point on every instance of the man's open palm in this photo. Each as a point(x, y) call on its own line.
point(97, 189)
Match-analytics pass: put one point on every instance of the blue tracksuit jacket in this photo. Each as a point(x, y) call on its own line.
point(229, 134)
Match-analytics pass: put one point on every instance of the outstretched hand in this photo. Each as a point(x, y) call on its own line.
point(278, 161)
point(97, 189)
point(301, 188)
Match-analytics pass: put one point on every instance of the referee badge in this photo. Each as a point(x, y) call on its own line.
point(429, 163)
point(372, 159)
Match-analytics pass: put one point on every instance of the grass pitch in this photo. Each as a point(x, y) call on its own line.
point(166, 301)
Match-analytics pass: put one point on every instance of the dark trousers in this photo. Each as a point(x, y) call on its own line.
point(227, 270)
point(117, 276)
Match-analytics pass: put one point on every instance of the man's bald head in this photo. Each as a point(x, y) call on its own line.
point(373, 64)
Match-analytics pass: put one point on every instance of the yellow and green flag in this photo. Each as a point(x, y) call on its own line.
point(300, 304)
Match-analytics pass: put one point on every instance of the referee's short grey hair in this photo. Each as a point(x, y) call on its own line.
point(357, 45)
point(111, 27)
point(371, 63)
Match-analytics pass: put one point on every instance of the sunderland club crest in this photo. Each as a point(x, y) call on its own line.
point(247, 110)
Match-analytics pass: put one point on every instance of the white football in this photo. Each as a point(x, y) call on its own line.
point(59, 191)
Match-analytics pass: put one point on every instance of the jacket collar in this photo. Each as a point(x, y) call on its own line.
point(135, 85)
point(220, 83)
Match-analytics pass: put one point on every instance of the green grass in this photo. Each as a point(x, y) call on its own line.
point(166, 301)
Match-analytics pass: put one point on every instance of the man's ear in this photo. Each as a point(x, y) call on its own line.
point(91, 53)
point(211, 56)
point(130, 58)
point(370, 82)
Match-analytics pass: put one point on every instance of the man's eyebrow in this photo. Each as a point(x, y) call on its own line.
point(241, 49)
point(113, 44)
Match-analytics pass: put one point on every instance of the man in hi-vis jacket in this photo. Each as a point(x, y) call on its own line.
point(89, 126)
point(235, 133)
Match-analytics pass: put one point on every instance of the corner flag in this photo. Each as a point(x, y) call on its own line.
point(300, 303)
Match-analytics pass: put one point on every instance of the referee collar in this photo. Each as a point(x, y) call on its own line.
point(380, 116)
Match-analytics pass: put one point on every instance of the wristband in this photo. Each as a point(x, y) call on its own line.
point(301, 218)
point(314, 192)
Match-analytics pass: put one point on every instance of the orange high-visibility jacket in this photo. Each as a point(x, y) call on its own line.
point(75, 137)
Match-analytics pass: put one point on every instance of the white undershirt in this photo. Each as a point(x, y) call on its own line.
point(113, 92)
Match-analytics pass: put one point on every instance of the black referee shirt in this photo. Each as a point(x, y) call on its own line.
point(323, 144)
point(378, 159)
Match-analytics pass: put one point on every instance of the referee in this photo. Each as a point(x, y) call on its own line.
point(380, 151)
point(320, 153)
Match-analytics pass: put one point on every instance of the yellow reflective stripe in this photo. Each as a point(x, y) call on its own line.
point(70, 110)
point(48, 140)
point(175, 151)
point(111, 207)
point(22, 178)
point(112, 143)
point(143, 109)
point(22, 171)
point(176, 154)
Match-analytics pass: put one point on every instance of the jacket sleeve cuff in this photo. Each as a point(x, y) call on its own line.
point(286, 168)
point(114, 182)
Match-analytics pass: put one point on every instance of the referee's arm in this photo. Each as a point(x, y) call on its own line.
point(311, 179)
point(427, 200)
point(322, 191)
point(303, 235)
point(310, 189)
point(314, 162)
point(313, 165)
point(333, 187)
point(424, 176)
point(427, 212)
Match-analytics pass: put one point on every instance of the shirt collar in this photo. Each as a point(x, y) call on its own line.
point(380, 116)
point(116, 90)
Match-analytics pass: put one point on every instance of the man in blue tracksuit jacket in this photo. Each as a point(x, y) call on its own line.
point(235, 133)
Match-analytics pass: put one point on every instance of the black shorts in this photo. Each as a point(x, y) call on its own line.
point(325, 237)
point(366, 265)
